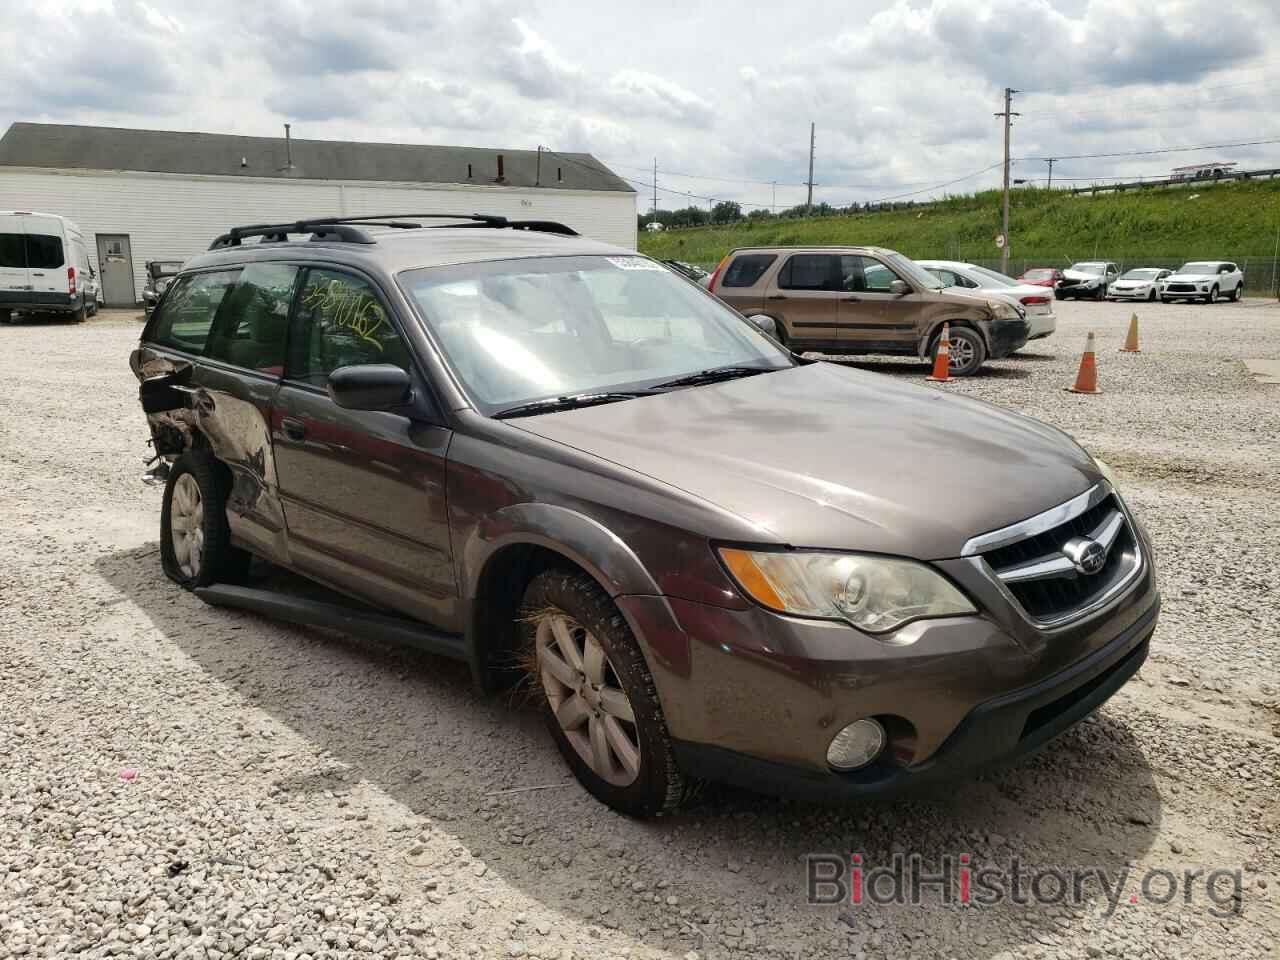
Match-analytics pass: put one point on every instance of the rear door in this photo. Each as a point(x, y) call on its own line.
point(363, 491)
point(870, 315)
point(47, 255)
point(13, 255)
point(805, 295)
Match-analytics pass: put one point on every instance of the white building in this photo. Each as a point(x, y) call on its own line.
point(142, 195)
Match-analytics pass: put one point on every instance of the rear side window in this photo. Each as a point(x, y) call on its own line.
point(187, 312)
point(811, 271)
point(339, 322)
point(12, 251)
point(747, 269)
point(251, 328)
point(44, 252)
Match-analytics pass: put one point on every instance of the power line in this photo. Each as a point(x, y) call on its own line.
point(1149, 153)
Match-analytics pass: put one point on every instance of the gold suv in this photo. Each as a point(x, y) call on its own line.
point(850, 300)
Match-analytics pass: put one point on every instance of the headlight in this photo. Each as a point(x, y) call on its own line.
point(874, 594)
point(1108, 474)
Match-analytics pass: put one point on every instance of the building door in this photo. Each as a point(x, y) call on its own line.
point(115, 265)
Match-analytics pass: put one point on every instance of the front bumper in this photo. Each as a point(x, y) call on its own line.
point(754, 698)
point(1076, 291)
point(1008, 336)
point(1139, 293)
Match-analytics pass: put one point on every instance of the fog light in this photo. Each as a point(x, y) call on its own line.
point(856, 745)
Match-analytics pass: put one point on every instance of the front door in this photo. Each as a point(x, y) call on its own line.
point(805, 293)
point(363, 491)
point(871, 316)
point(115, 270)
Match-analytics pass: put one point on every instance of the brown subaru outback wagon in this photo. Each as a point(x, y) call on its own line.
point(702, 555)
point(850, 300)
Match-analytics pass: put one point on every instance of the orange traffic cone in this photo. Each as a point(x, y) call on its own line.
point(942, 361)
point(1087, 378)
point(1131, 341)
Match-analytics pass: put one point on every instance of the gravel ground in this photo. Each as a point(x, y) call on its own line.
point(183, 781)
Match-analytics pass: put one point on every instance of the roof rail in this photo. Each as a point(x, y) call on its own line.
point(347, 229)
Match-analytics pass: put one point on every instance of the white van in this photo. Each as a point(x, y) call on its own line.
point(44, 267)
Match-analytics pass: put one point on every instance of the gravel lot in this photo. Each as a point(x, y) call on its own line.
point(301, 794)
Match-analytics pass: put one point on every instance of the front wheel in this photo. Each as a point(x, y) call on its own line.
point(1100, 294)
point(1151, 297)
point(195, 539)
point(598, 696)
point(968, 351)
point(1238, 293)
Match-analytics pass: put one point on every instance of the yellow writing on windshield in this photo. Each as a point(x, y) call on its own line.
point(350, 307)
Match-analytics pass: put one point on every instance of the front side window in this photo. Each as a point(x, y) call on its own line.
point(523, 330)
point(186, 314)
point(811, 271)
point(340, 322)
point(747, 269)
point(252, 326)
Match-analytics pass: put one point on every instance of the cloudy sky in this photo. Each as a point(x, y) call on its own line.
point(902, 92)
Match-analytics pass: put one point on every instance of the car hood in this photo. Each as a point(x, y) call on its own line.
point(1080, 275)
point(1191, 277)
point(826, 456)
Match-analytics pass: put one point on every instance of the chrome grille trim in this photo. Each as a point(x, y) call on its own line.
point(1040, 523)
point(1055, 564)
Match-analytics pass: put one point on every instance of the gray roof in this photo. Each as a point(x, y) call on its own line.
point(71, 147)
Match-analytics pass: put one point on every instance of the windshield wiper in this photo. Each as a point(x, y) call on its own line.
point(714, 375)
point(570, 402)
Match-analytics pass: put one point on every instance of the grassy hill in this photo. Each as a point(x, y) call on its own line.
point(1234, 220)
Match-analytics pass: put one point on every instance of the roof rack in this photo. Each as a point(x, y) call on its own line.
point(348, 229)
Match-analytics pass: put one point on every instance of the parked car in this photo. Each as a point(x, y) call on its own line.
point(706, 556)
point(1042, 276)
point(1035, 300)
point(44, 267)
point(1088, 279)
point(1206, 280)
point(1141, 283)
point(856, 300)
point(689, 270)
point(160, 274)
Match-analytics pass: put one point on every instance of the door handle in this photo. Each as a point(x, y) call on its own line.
point(293, 429)
point(776, 296)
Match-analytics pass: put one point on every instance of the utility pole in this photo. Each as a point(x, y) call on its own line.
point(537, 180)
point(808, 204)
point(1004, 219)
point(1050, 162)
point(655, 184)
point(774, 206)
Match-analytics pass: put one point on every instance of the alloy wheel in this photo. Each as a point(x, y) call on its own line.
point(961, 353)
point(186, 525)
point(587, 698)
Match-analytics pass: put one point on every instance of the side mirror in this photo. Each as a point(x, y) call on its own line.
point(370, 386)
point(899, 288)
point(765, 324)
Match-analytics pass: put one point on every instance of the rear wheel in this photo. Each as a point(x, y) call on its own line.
point(79, 314)
point(599, 700)
point(195, 539)
point(968, 351)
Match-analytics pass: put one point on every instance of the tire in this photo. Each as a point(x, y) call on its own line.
point(201, 525)
point(1151, 297)
point(79, 314)
point(6, 316)
point(970, 355)
point(1238, 293)
point(1213, 295)
point(1101, 294)
point(567, 606)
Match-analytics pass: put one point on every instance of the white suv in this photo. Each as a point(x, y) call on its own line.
point(1206, 280)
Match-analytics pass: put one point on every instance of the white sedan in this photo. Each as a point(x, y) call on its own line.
point(1206, 280)
point(1036, 301)
point(1141, 283)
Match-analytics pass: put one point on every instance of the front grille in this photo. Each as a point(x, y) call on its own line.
point(1045, 582)
point(1181, 288)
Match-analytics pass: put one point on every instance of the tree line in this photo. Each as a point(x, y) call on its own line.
point(728, 212)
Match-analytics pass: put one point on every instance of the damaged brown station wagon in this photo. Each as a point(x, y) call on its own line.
point(705, 556)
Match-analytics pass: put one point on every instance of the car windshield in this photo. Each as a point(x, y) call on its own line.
point(1142, 274)
point(989, 278)
point(1198, 267)
point(1094, 268)
point(517, 331)
point(912, 272)
point(1042, 274)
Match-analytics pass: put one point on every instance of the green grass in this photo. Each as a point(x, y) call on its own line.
point(1234, 220)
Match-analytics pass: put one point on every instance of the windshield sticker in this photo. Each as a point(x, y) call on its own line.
point(348, 306)
point(634, 263)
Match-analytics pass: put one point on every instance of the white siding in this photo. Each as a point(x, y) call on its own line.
point(168, 216)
